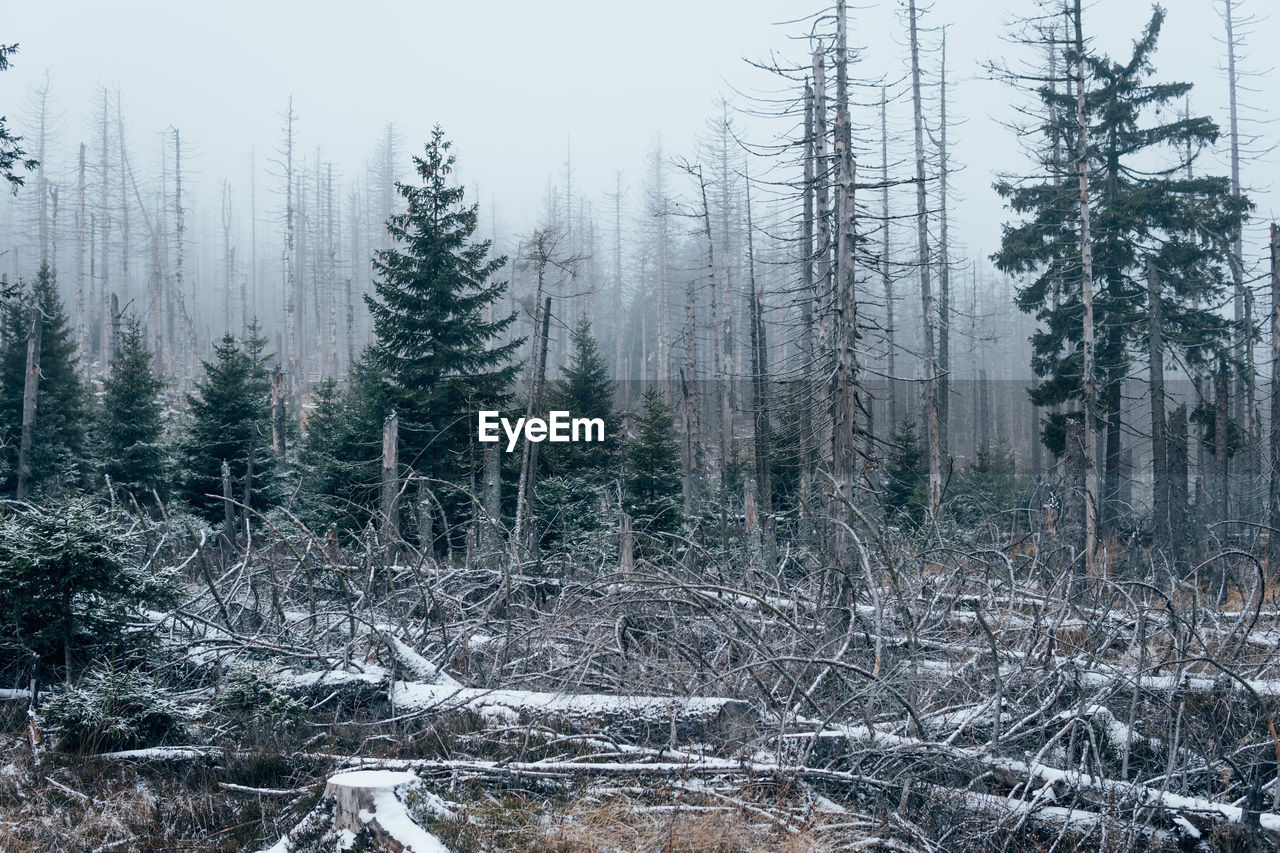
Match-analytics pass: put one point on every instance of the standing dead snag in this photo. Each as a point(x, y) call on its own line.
point(390, 480)
point(1159, 459)
point(30, 389)
point(1273, 498)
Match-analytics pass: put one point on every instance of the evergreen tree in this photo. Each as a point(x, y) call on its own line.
point(69, 578)
point(653, 479)
point(12, 157)
point(906, 477)
point(131, 428)
point(1138, 210)
point(231, 422)
point(58, 437)
point(341, 453)
point(439, 355)
point(585, 391)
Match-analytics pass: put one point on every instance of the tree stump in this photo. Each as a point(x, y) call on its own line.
point(370, 803)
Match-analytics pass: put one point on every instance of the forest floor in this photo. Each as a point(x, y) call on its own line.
point(935, 695)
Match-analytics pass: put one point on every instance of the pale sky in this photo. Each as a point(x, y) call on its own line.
point(515, 84)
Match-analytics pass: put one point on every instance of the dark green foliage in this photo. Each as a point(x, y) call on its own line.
point(438, 354)
point(12, 157)
point(341, 453)
point(906, 477)
point(58, 439)
point(652, 481)
point(255, 697)
point(231, 421)
point(131, 428)
point(585, 391)
point(112, 709)
point(68, 577)
point(1139, 210)
point(988, 490)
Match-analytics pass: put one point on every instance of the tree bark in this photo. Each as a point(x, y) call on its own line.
point(1161, 523)
point(30, 392)
point(390, 477)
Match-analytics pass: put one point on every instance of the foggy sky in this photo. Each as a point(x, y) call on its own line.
point(517, 85)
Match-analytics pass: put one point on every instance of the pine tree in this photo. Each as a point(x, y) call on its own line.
point(1138, 211)
point(585, 391)
point(340, 454)
point(133, 455)
point(12, 157)
point(69, 577)
point(653, 481)
point(906, 476)
point(58, 438)
point(432, 343)
point(231, 422)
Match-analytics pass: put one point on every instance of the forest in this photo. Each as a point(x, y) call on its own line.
point(884, 541)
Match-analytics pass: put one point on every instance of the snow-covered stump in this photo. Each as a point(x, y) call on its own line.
point(369, 807)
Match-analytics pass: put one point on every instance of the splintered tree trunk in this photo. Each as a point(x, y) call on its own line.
point(228, 505)
point(944, 268)
point(30, 390)
point(1159, 459)
point(426, 537)
point(492, 498)
point(1176, 463)
point(1074, 501)
point(760, 385)
point(1086, 299)
point(891, 349)
point(1273, 496)
point(844, 378)
point(82, 333)
point(390, 479)
point(277, 413)
point(1221, 449)
point(806, 310)
point(689, 406)
point(933, 424)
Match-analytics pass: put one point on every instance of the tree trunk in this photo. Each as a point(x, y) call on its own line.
point(390, 478)
point(933, 424)
point(30, 391)
point(1161, 526)
point(1086, 298)
point(891, 349)
point(1273, 496)
point(844, 377)
point(1176, 463)
point(806, 296)
point(760, 385)
point(944, 271)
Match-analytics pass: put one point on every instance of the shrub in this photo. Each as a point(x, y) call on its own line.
point(112, 709)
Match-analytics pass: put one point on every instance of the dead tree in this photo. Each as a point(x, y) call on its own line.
point(30, 392)
point(933, 424)
point(844, 376)
point(1088, 384)
point(1162, 530)
point(390, 478)
point(1273, 496)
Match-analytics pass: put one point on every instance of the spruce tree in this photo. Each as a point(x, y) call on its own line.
point(133, 455)
point(439, 355)
point(1140, 207)
point(230, 421)
point(340, 454)
point(906, 481)
point(58, 438)
point(652, 482)
point(585, 391)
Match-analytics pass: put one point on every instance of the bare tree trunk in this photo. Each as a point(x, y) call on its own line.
point(933, 425)
point(30, 391)
point(822, 252)
point(227, 258)
point(492, 497)
point(806, 298)
point(760, 384)
point(1273, 496)
point(844, 378)
point(1086, 298)
point(82, 331)
point(277, 413)
point(1221, 448)
point(617, 277)
point(891, 348)
point(689, 407)
point(1176, 463)
point(390, 478)
point(1163, 531)
point(292, 309)
point(944, 271)
point(104, 340)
